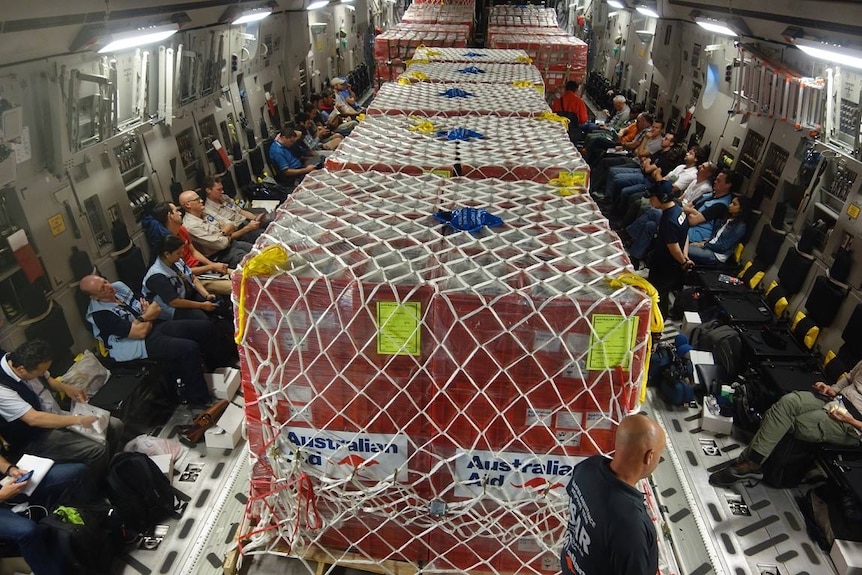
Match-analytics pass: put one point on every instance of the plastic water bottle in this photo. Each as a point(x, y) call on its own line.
point(181, 388)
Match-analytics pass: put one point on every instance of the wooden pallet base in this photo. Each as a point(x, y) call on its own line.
point(358, 562)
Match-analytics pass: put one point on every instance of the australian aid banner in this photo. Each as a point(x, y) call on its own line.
point(338, 454)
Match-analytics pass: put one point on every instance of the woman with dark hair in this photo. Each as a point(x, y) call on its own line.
point(171, 283)
point(164, 220)
point(718, 248)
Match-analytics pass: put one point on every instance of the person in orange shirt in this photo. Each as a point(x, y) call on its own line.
point(571, 106)
point(595, 147)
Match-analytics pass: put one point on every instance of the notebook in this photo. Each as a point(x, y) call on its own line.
point(38, 465)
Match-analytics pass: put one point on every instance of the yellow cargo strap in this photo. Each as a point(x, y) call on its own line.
point(266, 263)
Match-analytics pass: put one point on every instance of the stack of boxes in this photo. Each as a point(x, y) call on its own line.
point(418, 393)
point(430, 24)
point(558, 55)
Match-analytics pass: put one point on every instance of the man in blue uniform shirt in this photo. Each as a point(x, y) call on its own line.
point(669, 260)
point(289, 167)
point(609, 530)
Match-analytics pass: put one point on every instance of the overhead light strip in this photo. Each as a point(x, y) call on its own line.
point(647, 11)
point(252, 16)
point(715, 26)
point(126, 40)
point(831, 52)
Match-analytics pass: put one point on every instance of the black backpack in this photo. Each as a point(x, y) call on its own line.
point(140, 492)
point(87, 549)
point(725, 344)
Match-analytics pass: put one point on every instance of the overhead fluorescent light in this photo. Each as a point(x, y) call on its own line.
point(318, 5)
point(616, 4)
point(349, 6)
point(831, 52)
point(613, 14)
point(716, 26)
point(252, 15)
point(141, 37)
point(647, 11)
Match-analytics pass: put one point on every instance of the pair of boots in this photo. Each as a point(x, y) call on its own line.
point(741, 469)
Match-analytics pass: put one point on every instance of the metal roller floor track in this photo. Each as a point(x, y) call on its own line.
point(197, 542)
point(749, 529)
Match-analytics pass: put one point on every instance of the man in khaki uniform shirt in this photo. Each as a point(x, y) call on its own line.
point(211, 237)
point(247, 225)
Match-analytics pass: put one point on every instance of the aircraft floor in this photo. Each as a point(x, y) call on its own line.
point(749, 529)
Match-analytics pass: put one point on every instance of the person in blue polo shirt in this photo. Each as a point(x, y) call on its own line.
point(289, 167)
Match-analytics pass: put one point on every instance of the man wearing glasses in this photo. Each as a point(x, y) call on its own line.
point(210, 237)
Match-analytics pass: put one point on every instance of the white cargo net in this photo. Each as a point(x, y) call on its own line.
point(522, 16)
point(471, 55)
point(439, 13)
point(432, 99)
point(416, 396)
point(467, 72)
point(509, 148)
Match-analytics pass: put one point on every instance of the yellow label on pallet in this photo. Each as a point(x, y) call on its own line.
point(612, 340)
point(398, 328)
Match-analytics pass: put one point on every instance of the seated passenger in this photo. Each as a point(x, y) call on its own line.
point(32, 422)
point(171, 284)
point(707, 212)
point(611, 128)
point(342, 125)
point(680, 178)
point(642, 229)
point(629, 183)
point(345, 99)
point(289, 166)
point(718, 248)
point(702, 183)
point(317, 138)
point(802, 414)
point(247, 225)
point(646, 144)
point(165, 219)
point(594, 148)
point(130, 329)
point(212, 237)
point(62, 480)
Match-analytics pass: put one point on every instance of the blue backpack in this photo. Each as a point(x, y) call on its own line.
point(672, 374)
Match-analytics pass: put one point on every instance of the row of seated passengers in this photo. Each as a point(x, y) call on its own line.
point(676, 209)
point(300, 148)
point(170, 320)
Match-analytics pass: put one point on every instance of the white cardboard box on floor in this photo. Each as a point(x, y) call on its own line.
point(690, 320)
point(847, 557)
point(223, 382)
point(227, 432)
point(164, 463)
point(715, 423)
